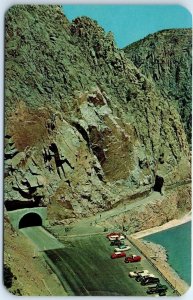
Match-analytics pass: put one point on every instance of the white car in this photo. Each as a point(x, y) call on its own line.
point(149, 275)
point(122, 248)
point(136, 273)
point(116, 237)
point(121, 237)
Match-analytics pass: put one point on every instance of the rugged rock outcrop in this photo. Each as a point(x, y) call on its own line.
point(151, 212)
point(84, 128)
point(166, 57)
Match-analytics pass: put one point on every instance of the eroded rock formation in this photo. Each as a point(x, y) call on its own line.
point(166, 57)
point(85, 129)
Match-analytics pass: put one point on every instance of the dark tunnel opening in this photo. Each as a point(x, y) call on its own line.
point(30, 220)
point(159, 181)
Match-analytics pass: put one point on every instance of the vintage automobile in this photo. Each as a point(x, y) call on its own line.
point(118, 255)
point(158, 289)
point(141, 277)
point(133, 274)
point(122, 248)
point(112, 234)
point(116, 237)
point(117, 242)
point(149, 280)
point(132, 259)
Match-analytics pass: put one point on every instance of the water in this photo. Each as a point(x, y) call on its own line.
point(177, 242)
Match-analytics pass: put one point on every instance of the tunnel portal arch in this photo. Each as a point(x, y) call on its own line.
point(30, 219)
point(159, 182)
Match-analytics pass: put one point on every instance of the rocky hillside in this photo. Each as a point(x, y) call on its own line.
point(85, 129)
point(166, 57)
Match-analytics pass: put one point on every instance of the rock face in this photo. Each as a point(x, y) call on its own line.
point(151, 211)
point(166, 57)
point(84, 128)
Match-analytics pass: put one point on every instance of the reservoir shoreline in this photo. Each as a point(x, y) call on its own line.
point(157, 253)
point(166, 271)
point(173, 223)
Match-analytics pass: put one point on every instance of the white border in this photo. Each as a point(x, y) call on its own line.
point(4, 6)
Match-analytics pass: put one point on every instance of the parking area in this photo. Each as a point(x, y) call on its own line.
point(86, 268)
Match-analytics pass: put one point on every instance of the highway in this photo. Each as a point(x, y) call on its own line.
point(84, 266)
point(41, 238)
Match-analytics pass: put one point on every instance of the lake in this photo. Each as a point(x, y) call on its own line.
point(177, 242)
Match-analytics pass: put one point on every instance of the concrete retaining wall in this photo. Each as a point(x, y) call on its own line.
point(16, 215)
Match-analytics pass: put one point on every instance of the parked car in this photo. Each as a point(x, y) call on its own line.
point(113, 234)
point(122, 248)
point(116, 237)
point(118, 255)
point(121, 237)
point(133, 274)
point(149, 280)
point(158, 289)
point(117, 242)
point(140, 278)
point(132, 258)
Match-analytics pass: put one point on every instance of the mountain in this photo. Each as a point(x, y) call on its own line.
point(85, 128)
point(166, 57)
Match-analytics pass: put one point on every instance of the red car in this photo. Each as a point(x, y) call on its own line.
point(118, 255)
point(113, 234)
point(132, 258)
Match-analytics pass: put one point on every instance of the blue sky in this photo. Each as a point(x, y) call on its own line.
point(130, 23)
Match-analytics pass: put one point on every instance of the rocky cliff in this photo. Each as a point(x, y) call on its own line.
point(166, 57)
point(85, 129)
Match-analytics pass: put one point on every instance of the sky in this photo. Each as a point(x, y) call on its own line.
point(130, 23)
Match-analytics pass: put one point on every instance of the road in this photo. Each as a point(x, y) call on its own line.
point(41, 238)
point(85, 268)
point(92, 224)
point(82, 261)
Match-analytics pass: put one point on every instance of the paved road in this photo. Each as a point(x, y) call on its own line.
point(41, 238)
point(92, 223)
point(85, 268)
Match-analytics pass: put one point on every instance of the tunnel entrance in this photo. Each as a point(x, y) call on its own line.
point(29, 220)
point(159, 181)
